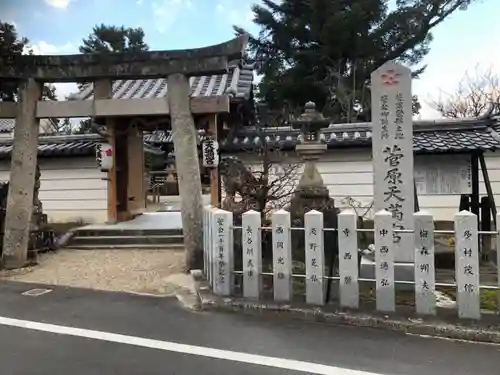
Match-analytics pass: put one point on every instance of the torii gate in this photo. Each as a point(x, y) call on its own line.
point(31, 72)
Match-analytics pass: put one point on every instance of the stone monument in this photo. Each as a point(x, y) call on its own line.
point(392, 148)
point(311, 193)
point(392, 144)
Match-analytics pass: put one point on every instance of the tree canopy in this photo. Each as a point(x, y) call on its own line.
point(105, 39)
point(110, 39)
point(325, 50)
point(12, 44)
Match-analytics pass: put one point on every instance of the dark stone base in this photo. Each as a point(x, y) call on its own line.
point(316, 198)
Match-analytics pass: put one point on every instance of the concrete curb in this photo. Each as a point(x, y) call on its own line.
point(415, 326)
point(189, 295)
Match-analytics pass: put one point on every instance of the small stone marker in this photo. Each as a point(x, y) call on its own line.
point(206, 242)
point(467, 265)
point(348, 259)
point(384, 262)
point(314, 255)
point(498, 261)
point(252, 254)
point(425, 284)
point(282, 256)
point(223, 252)
point(211, 254)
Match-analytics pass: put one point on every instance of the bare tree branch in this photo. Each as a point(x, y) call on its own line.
point(271, 183)
point(473, 97)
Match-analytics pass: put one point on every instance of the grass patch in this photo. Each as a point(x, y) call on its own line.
point(488, 298)
point(404, 297)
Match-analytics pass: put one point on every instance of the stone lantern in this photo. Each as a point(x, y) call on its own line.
point(311, 146)
point(311, 193)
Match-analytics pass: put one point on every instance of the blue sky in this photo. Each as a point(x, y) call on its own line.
point(463, 42)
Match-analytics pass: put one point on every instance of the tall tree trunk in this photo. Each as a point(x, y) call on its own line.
point(188, 169)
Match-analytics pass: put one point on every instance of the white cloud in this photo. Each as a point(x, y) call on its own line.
point(44, 48)
point(60, 4)
point(166, 12)
point(236, 12)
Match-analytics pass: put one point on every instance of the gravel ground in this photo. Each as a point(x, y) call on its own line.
point(140, 271)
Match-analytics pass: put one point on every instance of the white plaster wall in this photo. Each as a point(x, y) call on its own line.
point(348, 173)
point(72, 189)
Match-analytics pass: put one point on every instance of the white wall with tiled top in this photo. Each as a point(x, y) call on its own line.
point(349, 173)
point(71, 189)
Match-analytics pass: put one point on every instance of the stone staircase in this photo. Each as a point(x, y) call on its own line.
point(111, 238)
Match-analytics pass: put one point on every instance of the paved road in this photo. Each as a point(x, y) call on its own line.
point(84, 332)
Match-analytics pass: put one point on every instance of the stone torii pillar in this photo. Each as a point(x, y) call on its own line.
point(22, 177)
point(188, 167)
point(177, 66)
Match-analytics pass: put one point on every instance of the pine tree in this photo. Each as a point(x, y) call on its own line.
point(110, 39)
point(106, 39)
point(12, 44)
point(325, 50)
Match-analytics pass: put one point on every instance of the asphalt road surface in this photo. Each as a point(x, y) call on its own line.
point(81, 332)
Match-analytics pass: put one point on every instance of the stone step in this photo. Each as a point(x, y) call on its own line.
point(171, 246)
point(126, 232)
point(126, 240)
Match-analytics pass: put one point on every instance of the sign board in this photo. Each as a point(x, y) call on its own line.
point(392, 148)
point(210, 149)
point(443, 174)
point(104, 156)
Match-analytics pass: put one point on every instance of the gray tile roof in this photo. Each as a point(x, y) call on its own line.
point(428, 137)
point(67, 145)
point(237, 83)
point(7, 124)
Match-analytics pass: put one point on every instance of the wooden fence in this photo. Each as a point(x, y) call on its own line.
point(219, 256)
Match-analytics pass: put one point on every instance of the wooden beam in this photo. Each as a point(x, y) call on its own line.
point(474, 199)
point(117, 107)
point(487, 184)
point(416, 204)
point(129, 65)
point(104, 89)
point(475, 184)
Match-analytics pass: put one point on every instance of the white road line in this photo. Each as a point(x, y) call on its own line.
point(288, 364)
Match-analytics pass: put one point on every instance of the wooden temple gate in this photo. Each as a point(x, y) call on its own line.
point(124, 121)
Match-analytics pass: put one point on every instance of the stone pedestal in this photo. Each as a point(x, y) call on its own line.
point(312, 194)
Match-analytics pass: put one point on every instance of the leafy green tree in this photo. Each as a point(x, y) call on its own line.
point(12, 44)
point(325, 50)
point(110, 39)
